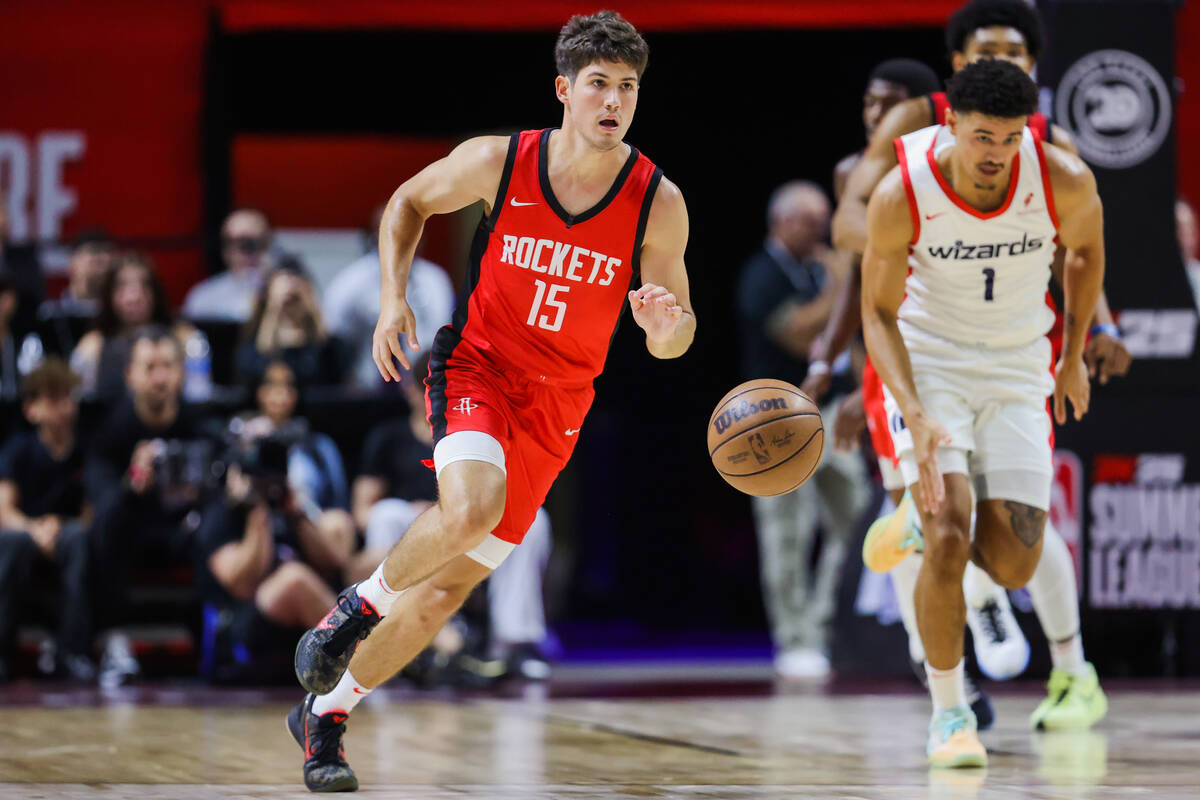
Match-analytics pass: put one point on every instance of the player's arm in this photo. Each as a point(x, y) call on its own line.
point(1105, 353)
point(844, 321)
point(884, 271)
point(662, 307)
point(850, 221)
point(471, 172)
point(1063, 139)
point(1081, 231)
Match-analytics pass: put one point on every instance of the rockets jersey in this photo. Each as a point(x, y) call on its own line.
point(1037, 120)
point(546, 288)
point(977, 278)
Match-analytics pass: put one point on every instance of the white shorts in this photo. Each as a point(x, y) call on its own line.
point(891, 475)
point(993, 404)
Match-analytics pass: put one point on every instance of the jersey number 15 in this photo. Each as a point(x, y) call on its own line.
point(547, 299)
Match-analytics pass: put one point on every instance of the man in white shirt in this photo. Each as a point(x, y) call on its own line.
point(351, 308)
point(245, 248)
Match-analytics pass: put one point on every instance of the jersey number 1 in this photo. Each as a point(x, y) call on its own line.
point(989, 280)
point(548, 296)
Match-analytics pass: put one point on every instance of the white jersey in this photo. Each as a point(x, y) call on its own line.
point(977, 278)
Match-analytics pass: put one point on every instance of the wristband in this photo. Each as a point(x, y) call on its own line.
point(818, 368)
point(1106, 328)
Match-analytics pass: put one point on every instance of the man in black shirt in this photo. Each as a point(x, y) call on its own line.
point(265, 572)
point(43, 538)
point(785, 295)
point(144, 476)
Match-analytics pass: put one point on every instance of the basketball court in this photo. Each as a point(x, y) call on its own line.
point(711, 732)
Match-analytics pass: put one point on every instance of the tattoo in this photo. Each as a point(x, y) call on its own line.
point(1071, 320)
point(1027, 522)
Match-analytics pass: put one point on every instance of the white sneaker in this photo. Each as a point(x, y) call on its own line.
point(802, 664)
point(118, 665)
point(1000, 647)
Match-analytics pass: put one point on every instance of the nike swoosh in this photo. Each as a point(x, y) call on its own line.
point(935, 216)
point(514, 202)
point(571, 432)
point(357, 691)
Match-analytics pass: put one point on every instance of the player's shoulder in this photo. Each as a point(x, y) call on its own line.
point(668, 202)
point(1069, 175)
point(888, 214)
point(483, 152)
point(905, 117)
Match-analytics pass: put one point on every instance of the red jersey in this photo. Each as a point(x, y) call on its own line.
point(1037, 121)
point(547, 287)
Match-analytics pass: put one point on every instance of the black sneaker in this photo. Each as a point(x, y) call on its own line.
point(526, 661)
point(324, 652)
point(977, 698)
point(325, 767)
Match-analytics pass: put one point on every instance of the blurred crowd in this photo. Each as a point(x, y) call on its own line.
point(161, 465)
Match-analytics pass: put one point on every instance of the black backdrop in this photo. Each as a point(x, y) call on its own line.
point(651, 533)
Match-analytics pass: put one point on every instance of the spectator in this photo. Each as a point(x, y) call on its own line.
point(131, 296)
point(783, 300)
point(18, 355)
point(245, 249)
point(315, 470)
point(147, 473)
point(352, 306)
point(395, 486)
point(92, 257)
point(264, 568)
point(43, 519)
point(21, 263)
point(287, 325)
point(1188, 233)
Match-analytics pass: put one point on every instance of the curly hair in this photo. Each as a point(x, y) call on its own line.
point(986, 13)
point(603, 36)
point(994, 88)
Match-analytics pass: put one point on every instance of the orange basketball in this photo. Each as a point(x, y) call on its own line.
point(766, 437)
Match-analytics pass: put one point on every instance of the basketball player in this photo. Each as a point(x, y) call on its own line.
point(973, 210)
point(1006, 30)
point(578, 223)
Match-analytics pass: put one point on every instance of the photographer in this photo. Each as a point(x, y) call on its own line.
point(146, 478)
point(263, 567)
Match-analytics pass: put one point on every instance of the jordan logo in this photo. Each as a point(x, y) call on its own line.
point(465, 406)
point(1028, 199)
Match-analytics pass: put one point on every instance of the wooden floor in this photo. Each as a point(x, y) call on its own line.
point(778, 745)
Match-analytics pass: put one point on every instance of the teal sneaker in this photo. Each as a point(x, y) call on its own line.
point(954, 740)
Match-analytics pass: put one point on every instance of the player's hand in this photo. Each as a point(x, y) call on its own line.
point(850, 421)
point(1071, 383)
point(395, 320)
point(928, 435)
point(656, 311)
point(817, 381)
point(1107, 356)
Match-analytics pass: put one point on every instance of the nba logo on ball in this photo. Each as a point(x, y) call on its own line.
point(765, 437)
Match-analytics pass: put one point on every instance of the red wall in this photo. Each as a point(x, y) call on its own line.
point(1187, 60)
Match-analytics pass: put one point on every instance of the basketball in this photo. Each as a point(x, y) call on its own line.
point(766, 437)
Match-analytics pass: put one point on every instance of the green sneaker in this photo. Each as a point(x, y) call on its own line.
point(1075, 702)
point(892, 537)
point(954, 741)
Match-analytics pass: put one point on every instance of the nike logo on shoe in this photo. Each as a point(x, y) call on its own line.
point(515, 203)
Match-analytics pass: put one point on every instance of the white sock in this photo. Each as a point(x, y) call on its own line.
point(904, 584)
point(344, 697)
point(946, 687)
point(1056, 601)
point(376, 591)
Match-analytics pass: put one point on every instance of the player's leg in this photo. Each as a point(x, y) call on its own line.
point(319, 722)
point(1001, 648)
point(1075, 699)
point(471, 499)
point(515, 607)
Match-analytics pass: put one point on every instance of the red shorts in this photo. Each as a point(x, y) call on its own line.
point(877, 418)
point(536, 424)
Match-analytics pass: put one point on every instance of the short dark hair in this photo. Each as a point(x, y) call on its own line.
point(51, 378)
point(916, 78)
point(92, 237)
point(992, 87)
point(154, 334)
point(986, 13)
point(603, 36)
